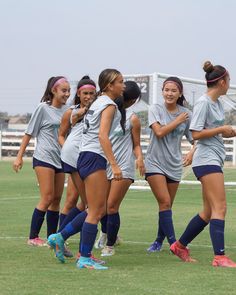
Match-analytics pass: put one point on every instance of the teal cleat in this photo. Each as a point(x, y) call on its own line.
point(52, 241)
point(87, 262)
point(56, 241)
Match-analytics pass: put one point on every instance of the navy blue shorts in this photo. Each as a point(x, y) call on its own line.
point(203, 170)
point(68, 168)
point(90, 162)
point(37, 162)
point(168, 180)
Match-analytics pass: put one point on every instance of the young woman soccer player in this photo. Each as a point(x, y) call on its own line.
point(208, 128)
point(126, 147)
point(85, 94)
point(99, 122)
point(44, 125)
point(169, 122)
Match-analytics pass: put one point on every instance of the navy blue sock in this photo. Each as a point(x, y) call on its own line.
point(36, 223)
point(89, 232)
point(195, 226)
point(74, 226)
point(160, 233)
point(62, 217)
point(217, 227)
point(69, 217)
point(113, 226)
point(166, 223)
point(52, 222)
point(104, 224)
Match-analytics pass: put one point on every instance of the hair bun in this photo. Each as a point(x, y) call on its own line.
point(86, 77)
point(208, 67)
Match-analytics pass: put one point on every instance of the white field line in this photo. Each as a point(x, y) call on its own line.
point(124, 242)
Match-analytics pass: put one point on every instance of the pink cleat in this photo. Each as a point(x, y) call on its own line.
point(38, 242)
point(181, 251)
point(223, 261)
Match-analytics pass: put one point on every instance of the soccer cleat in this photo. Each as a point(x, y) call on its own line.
point(97, 260)
point(223, 261)
point(155, 247)
point(87, 262)
point(181, 252)
point(108, 251)
point(101, 241)
point(119, 241)
point(67, 252)
point(56, 242)
point(52, 241)
point(38, 242)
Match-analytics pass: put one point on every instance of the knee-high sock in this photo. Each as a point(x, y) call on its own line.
point(195, 226)
point(74, 226)
point(62, 217)
point(104, 224)
point(160, 233)
point(217, 228)
point(36, 223)
point(113, 226)
point(69, 217)
point(52, 222)
point(89, 232)
point(166, 223)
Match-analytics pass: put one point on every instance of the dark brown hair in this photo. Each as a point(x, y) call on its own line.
point(214, 73)
point(83, 81)
point(179, 84)
point(48, 95)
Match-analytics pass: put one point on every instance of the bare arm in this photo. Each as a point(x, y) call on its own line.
point(105, 126)
point(162, 130)
point(136, 131)
point(226, 131)
point(18, 163)
point(64, 127)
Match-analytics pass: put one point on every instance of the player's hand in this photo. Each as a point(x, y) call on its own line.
point(140, 166)
point(188, 158)
point(17, 165)
point(228, 131)
point(183, 117)
point(116, 171)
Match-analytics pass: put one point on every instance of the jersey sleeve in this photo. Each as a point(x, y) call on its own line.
point(153, 115)
point(199, 115)
point(35, 122)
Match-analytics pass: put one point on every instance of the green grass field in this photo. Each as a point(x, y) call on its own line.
point(31, 270)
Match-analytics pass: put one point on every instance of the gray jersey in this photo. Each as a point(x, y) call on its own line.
point(44, 125)
point(164, 154)
point(71, 147)
point(90, 140)
point(208, 114)
point(122, 146)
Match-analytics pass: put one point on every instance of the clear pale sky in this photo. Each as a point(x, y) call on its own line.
point(40, 39)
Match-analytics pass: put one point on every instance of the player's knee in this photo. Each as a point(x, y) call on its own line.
point(112, 208)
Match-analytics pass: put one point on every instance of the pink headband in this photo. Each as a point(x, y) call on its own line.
point(61, 80)
point(213, 80)
point(87, 86)
point(170, 81)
